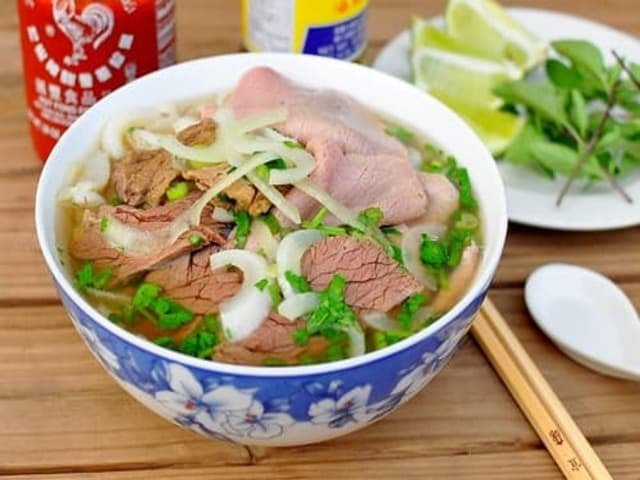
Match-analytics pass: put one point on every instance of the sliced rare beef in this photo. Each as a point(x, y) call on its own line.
point(374, 281)
point(244, 195)
point(190, 281)
point(142, 177)
point(88, 243)
point(357, 162)
point(443, 198)
point(201, 133)
point(273, 340)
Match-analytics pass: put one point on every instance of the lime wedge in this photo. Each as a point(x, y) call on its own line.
point(496, 128)
point(484, 25)
point(465, 78)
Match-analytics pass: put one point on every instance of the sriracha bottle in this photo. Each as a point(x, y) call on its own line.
point(76, 51)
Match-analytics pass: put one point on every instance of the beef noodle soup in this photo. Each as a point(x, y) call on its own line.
point(277, 226)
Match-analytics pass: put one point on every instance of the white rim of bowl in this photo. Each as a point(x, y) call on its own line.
point(481, 280)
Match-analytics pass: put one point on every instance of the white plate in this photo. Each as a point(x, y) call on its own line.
point(531, 197)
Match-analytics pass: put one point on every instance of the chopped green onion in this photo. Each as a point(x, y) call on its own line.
point(104, 224)
point(402, 134)
point(243, 227)
point(196, 240)
point(297, 282)
point(274, 292)
point(317, 219)
point(177, 191)
point(409, 307)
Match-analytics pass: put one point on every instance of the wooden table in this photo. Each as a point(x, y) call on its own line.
point(62, 417)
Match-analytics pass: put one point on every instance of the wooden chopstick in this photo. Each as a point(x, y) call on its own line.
point(555, 427)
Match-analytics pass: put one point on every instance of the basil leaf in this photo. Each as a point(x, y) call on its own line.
point(562, 159)
point(584, 55)
point(561, 75)
point(578, 112)
point(518, 151)
point(542, 98)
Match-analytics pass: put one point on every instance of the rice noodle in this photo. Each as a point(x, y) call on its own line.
point(243, 313)
point(90, 179)
point(115, 129)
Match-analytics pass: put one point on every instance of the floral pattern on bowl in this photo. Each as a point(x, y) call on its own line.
point(281, 410)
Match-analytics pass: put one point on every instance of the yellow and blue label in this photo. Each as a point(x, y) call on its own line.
point(332, 28)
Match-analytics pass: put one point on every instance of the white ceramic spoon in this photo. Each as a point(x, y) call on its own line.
point(588, 317)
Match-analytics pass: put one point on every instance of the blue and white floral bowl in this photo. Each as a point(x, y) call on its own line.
point(274, 406)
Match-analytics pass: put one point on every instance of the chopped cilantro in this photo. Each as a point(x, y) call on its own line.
point(199, 344)
point(433, 253)
point(196, 240)
point(210, 322)
point(87, 277)
point(262, 284)
point(169, 314)
point(300, 337)
point(115, 201)
point(409, 307)
point(371, 217)
point(332, 312)
point(306, 359)
point(384, 339)
point(335, 352)
point(402, 134)
point(297, 282)
point(243, 227)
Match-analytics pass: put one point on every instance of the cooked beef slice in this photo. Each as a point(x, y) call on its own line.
point(142, 177)
point(201, 133)
point(190, 281)
point(272, 340)
point(443, 198)
point(374, 281)
point(245, 196)
point(88, 243)
point(356, 161)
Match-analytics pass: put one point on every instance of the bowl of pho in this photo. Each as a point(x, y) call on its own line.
point(271, 249)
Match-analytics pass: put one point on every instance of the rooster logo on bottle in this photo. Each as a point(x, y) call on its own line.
point(89, 27)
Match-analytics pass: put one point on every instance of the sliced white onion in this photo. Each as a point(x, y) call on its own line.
point(181, 123)
point(289, 255)
point(220, 214)
point(140, 242)
point(261, 239)
point(411, 242)
point(209, 154)
point(115, 129)
point(243, 313)
point(380, 321)
point(342, 213)
point(298, 305)
point(357, 344)
point(287, 208)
